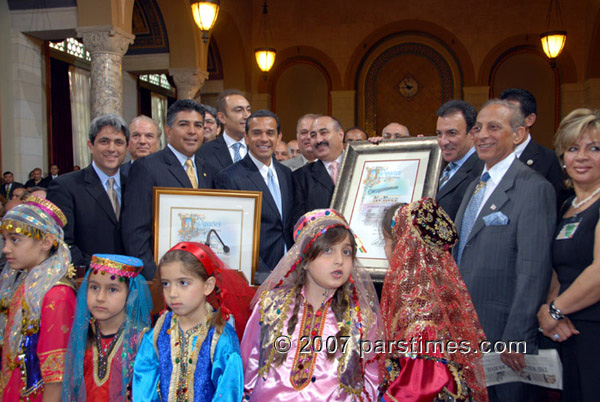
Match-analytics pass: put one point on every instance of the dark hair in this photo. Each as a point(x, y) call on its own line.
point(525, 98)
point(340, 301)
point(222, 99)
point(182, 105)
point(388, 217)
point(459, 106)
point(213, 112)
point(263, 113)
point(110, 119)
point(7, 172)
point(355, 128)
point(191, 264)
point(337, 125)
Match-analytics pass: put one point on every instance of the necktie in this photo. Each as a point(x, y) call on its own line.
point(470, 214)
point(274, 189)
point(446, 174)
point(236, 152)
point(333, 171)
point(189, 169)
point(112, 195)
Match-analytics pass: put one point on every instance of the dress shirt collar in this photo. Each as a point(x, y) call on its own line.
point(181, 157)
point(230, 141)
point(104, 177)
point(498, 171)
point(462, 160)
point(521, 147)
point(338, 160)
point(262, 168)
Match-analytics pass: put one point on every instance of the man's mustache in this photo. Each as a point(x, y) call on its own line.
point(321, 143)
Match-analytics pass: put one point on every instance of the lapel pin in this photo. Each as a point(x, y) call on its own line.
point(204, 174)
point(529, 162)
point(493, 207)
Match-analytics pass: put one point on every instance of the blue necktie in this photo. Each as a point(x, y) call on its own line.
point(274, 189)
point(446, 174)
point(470, 214)
point(236, 152)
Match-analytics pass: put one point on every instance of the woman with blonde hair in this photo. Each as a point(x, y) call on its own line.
point(573, 306)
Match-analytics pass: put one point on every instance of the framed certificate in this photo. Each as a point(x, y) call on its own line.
point(226, 220)
point(375, 176)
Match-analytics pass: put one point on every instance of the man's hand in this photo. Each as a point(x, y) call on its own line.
point(516, 361)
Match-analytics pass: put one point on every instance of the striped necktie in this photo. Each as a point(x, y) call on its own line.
point(470, 214)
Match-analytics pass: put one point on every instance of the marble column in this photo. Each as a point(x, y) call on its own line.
point(107, 45)
point(188, 82)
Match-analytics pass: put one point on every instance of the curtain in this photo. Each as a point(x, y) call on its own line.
point(159, 114)
point(80, 86)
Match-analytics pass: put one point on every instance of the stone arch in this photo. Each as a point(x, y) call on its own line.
point(438, 36)
point(396, 66)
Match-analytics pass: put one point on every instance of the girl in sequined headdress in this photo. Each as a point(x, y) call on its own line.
point(193, 353)
point(113, 312)
point(314, 320)
point(37, 302)
point(424, 300)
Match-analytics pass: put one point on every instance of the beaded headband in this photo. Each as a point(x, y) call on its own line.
point(48, 207)
point(433, 225)
point(117, 265)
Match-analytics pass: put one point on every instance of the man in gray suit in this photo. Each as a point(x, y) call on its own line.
point(506, 223)
point(307, 153)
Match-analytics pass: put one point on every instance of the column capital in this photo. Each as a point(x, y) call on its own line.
point(105, 39)
point(188, 81)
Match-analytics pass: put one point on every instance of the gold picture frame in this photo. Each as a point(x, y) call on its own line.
point(227, 220)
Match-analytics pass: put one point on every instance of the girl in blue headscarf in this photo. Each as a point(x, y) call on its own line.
point(113, 312)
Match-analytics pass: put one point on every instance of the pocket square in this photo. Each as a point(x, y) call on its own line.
point(496, 219)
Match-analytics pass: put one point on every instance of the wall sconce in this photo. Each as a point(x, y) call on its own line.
point(265, 56)
point(553, 42)
point(205, 14)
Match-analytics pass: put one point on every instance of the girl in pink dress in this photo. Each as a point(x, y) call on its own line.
point(303, 339)
point(37, 302)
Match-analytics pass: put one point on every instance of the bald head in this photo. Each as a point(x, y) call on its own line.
point(394, 131)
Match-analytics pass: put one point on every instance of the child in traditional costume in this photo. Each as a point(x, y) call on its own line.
point(37, 302)
point(192, 353)
point(309, 318)
point(424, 300)
point(113, 312)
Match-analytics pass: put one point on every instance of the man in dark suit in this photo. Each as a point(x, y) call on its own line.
point(506, 223)
point(91, 198)
point(539, 158)
point(9, 185)
point(53, 174)
point(314, 183)
point(233, 110)
point(455, 121)
point(259, 171)
point(174, 166)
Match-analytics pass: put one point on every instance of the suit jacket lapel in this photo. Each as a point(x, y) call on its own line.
point(97, 191)
point(255, 177)
point(319, 173)
point(175, 168)
point(532, 152)
point(497, 199)
point(222, 152)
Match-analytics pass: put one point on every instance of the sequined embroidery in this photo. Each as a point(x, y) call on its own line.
point(103, 359)
point(311, 331)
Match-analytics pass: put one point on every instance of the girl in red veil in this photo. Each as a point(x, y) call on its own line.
point(425, 299)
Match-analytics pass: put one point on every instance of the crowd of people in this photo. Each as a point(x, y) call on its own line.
point(506, 252)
